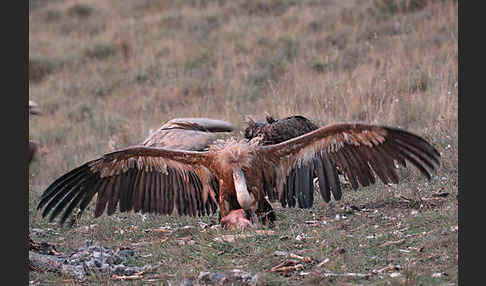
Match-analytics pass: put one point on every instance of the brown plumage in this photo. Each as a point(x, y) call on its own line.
point(236, 174)
point(276, 131)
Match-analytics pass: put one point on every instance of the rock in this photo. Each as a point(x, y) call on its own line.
point(126, 252)
point(233, 277)
point(245, 277)
point(88, 243)
point(87, 260)
point(97, 262)
point(119, 269)
point(301, 237)
point(439, 274)
point(280, 253)
point(74, 270)
point(131, 270)
point(214, 278)
point(90, 263)
point(203, 274)
point(187, 282)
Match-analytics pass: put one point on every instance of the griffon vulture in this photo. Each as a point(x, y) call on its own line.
point(240, 173)
point(34, 110)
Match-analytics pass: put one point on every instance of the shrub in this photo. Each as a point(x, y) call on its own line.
point(80, 11)
point(319, 66)
point(100, 51)
point(53, 15)
point(397, 6)
point(201, 28)
point(383, 9)
point(266, 7)
point(39, 68)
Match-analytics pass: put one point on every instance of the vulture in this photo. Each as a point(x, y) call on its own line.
point(235, 176)
point(34, 110)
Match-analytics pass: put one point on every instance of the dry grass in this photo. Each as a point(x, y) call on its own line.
point(105, 72)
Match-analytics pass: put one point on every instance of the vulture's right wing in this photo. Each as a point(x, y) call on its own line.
point(360, 150)
point(137, 178)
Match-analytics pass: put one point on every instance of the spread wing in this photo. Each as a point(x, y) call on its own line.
point(359, 150)
point(192, 134)
point(139, 178)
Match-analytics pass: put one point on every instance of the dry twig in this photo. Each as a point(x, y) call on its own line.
point(287, 266)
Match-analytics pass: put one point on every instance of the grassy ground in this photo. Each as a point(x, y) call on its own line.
point(106, 72)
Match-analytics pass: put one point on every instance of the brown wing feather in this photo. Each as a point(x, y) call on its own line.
point(163, 193)
point(115, 197)
point(131, 178)
point(360, 150)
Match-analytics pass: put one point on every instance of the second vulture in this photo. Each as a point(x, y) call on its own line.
point(34, 110)
point(233, 175)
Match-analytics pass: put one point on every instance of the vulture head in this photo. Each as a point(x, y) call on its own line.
point(254, 129)
point(172, 170)
point(34, 108)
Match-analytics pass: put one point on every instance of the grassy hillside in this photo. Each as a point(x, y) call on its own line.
point(106, 72)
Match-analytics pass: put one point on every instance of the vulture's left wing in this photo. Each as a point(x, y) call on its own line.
point(359, 150)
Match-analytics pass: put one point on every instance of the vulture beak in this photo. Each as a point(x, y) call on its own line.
point(242, 194)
